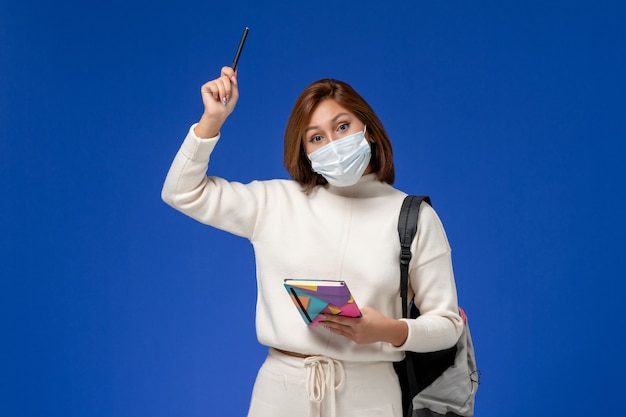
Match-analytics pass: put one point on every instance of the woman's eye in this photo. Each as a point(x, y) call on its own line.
point(315, 139)
point(343, 127)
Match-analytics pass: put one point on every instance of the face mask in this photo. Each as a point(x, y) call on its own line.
point(343, 161)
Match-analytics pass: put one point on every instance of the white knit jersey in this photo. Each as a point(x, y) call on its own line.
point(340, 233)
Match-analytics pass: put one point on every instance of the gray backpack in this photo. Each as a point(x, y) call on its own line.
point(434, 384)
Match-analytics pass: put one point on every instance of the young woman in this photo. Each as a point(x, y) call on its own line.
point(337, 219)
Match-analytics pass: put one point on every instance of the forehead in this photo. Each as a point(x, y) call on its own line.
point(326, 111)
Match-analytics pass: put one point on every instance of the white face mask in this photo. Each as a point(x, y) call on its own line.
point(343, 161)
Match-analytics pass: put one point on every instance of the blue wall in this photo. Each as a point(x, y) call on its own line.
point(511, 115)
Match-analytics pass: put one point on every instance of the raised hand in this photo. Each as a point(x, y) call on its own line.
point(219, 97)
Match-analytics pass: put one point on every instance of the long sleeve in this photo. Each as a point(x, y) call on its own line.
point(432, 281)
point(230, 206)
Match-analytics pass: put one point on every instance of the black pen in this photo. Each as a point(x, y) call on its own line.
point(241, 42)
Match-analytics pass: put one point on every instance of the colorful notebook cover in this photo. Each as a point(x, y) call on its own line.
point(313, 298)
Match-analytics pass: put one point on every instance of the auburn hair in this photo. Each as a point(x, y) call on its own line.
point(295, 158)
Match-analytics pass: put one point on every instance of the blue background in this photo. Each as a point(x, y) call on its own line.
point(511, 115)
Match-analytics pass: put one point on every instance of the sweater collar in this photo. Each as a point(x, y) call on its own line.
point(367, 186)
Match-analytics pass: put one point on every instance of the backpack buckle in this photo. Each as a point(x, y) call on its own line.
point(405, 256)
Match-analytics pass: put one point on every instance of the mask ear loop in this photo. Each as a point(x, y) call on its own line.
point(371, 143)
point(364, 132)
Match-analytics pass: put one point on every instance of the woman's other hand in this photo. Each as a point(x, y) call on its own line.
point(219, 97)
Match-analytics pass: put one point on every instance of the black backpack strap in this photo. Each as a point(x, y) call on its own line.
point(407, 228)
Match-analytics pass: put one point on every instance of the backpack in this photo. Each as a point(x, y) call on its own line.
point(434, 384)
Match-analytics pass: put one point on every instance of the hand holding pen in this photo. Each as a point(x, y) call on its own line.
point(219, 97)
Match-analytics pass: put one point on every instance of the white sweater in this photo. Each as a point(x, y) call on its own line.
point(347, 233)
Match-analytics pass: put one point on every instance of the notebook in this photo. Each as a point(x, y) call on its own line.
point(313, 298)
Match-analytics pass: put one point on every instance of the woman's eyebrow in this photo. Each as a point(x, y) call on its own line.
point(334, 119)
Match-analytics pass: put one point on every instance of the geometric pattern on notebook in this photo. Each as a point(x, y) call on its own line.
point(318, 300)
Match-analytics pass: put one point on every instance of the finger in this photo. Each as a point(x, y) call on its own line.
point(340, 320)
point(211, 89)
point(234, 85)
point(341, 328)
point(340, 332)
point(220, 89)
point(232, 77)
point(225, 89)
point(227, 72)
point(337, 328)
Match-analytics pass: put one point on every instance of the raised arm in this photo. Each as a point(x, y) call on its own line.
point(230, 206)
